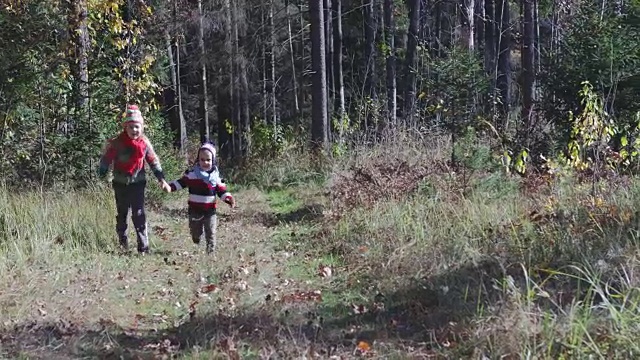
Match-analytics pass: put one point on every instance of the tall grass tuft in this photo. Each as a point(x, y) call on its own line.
point(34, 225)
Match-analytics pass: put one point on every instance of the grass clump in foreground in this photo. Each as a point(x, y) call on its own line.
point(34, 226)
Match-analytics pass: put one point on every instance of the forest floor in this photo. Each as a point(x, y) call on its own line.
point(249, 298)
point(254, 298)
point(385, 258)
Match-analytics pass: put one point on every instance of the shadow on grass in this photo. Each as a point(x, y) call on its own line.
point(426, 316)
point(304, 214)
point(418, 316)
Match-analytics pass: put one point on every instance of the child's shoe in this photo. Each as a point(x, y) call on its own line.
point(210, 249)
point(144, 251)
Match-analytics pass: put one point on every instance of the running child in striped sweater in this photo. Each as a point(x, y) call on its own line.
point(204, 184)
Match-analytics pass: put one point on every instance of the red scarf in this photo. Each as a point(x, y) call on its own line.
point(136, 150)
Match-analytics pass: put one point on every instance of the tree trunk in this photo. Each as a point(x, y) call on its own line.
point(265, 72)
point(244, 113)
point(411, 61)
point(504, 57)
point(328, 50)
point(183, 122)
point(391, 65)
point(470, 23)
point(479, 25)
point(303, 60)
point(226, 114)
point(528, 63)
point(371, 77)
point(204, 109)
point(319, 140)
point(293, 61)
point(79, 34)
point(272, 69)
point(172, 101)
point(339, 106)
point(79, 61)
point(490, 40)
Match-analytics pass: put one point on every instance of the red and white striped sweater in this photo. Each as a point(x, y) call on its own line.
point(202, 193)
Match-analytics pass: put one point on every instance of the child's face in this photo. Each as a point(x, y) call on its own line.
point(134, 130)
point(205, 160)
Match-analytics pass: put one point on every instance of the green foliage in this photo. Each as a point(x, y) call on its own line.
point(495, 186)
point(283, 201)
point(293, 167)
point(46, 137)
point(594, 134)
point(369, 112)
point(172, 162)
point(602, 47)
point(520, 163)
point(449, 86)
point(268, 140)
point(592, 130)
point(471, 153)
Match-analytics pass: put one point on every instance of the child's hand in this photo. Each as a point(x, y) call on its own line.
point(231, 201)
point(165, 186)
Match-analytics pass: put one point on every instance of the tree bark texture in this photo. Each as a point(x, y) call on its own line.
point(319, 137)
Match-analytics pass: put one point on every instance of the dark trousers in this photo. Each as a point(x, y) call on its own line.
point(131, 197)
point(203, 223)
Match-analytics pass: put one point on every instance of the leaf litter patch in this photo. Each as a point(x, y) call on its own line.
point(365, 185)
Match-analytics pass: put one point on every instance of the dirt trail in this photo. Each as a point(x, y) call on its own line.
point(245, 261)
point(175, 301)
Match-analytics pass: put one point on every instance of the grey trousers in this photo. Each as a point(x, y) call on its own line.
point(131, 197)
point(199, 224)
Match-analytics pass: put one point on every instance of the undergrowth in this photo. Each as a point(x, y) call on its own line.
point(479, 264)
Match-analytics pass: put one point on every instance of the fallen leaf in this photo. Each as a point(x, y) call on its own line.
point(192, 309)
point(241, 285)
point(164, 347)
point(325, 271)
point(378, 306)
point(161, 232)
point(303, 296)
point(364, 346)
point(359, 309)
point(209, 288)
point(228, 346)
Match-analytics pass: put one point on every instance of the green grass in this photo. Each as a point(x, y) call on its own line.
point(283, 201)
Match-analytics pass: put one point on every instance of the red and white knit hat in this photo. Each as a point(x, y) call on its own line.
point(132, 114)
